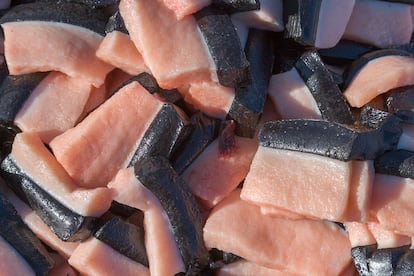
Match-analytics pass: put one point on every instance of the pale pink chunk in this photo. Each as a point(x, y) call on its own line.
point(386, 238)
point(379, 76)
point(33, 46)
point(40, 165)
point(163, 255)
point(97, 97)
point(391, 204)
point(104, 142)
point(213, 176)
point(293, 246)
point(359, 234)
point(177, 61)
point(211, 98)
point(11, 263)
point(95, 258)
point(246, 268)
point(54, 106)
point(380, 23)
point(182, 8)
point(118, 49)
point(317, 186)
point(270, 210)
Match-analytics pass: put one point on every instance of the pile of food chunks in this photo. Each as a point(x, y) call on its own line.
point(206, 137)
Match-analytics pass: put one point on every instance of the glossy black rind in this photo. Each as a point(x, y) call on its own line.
point(122, 210)
point(405, 265)
point(360, 256)
point(23, 240)
point(125, 238)
point(224, 45)
point(7, 133)
point(232, 6)
point(66, 224)
point(219, 258)
point(400, 101)
point(181, 208)
point(116, 23)
point(248, 104)
point(397, 162)
point(345, 52)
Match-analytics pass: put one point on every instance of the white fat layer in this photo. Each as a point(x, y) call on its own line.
point(292, 97)
point(333, 18)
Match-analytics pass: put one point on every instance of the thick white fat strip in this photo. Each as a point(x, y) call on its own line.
point(33, 46)
point(407, 138)
point(54, 106)
point(40, 165)
point(246, 268)
point(359, 234)
point(163, 254)
point(105, 141)
point(304, 183)
point(291, 245)
point(333, 19)
point(119, 50)
point(94, 258)
point(269, 17)
point(212, 176)
point(386, 238)
point(392, 203)
point(11, 263)
point(211, 98)
point(181, 60)
point(182, 8)
point(380, 23)
point(379, 76)
point(42, 231)
point(292, 97)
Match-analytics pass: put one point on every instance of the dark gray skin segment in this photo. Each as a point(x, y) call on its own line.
point(325, 91)
point(14, 91)
point(397, 162)
point(400, 101)
point(166, 132)
point(59, 11)
point(360, 256)
point(345, 52)
point(384, 261)
point(205, 131)
point(125, 238)
point(233, 69)
point(327, 139)
point(122, 210)
point(116, 23)
point(301, 20)
point(248, 104)
point(405, 265)
point(219, 258)
point(66, 224)
point(181, 208)
point(23, 240)
point(7, 133)
point(232, 6)
point(359, 63)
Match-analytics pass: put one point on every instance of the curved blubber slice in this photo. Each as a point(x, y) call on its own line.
point(181, 208)
point(29, 46)
point(182, 8)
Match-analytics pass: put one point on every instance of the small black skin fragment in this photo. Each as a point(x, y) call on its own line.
point(125, 238)
point(232, 6)
point(227, 139)
point(287, 52)
point(66, 224)
point(116, 23)
point(7, 133)
point(248, 104)
point(405, 265)
point(219, 258)
point(205, 131)
point(400, 101)
point(232, 67)
point(122, 210)
point(166, 132)
point(181, 208)
point(396, 162)
point(324, 89)
point(301, 20)
point(345, 52)
point(24, 241)
point(331, 139)
point(59, 11)
point(14, 91)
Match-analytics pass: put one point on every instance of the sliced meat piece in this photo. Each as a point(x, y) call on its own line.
point(97, 97)
point(76, 60)
point(386, 238)
point(380, 23)
point(212, 176)
point(95, 258)
point(256, 240)
point(211, 98)
point(342, 195)
point(182, 8)
point(118, 50)
point(379, 76)
point(11, 263)
point(123, 120)
point(183, 59)
point(292, 97)
point(268, 17)
point(391, 203)
point(246, 268)
point(270, 210)
point(163, 254)
point(54, 106)
point(359, 234)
